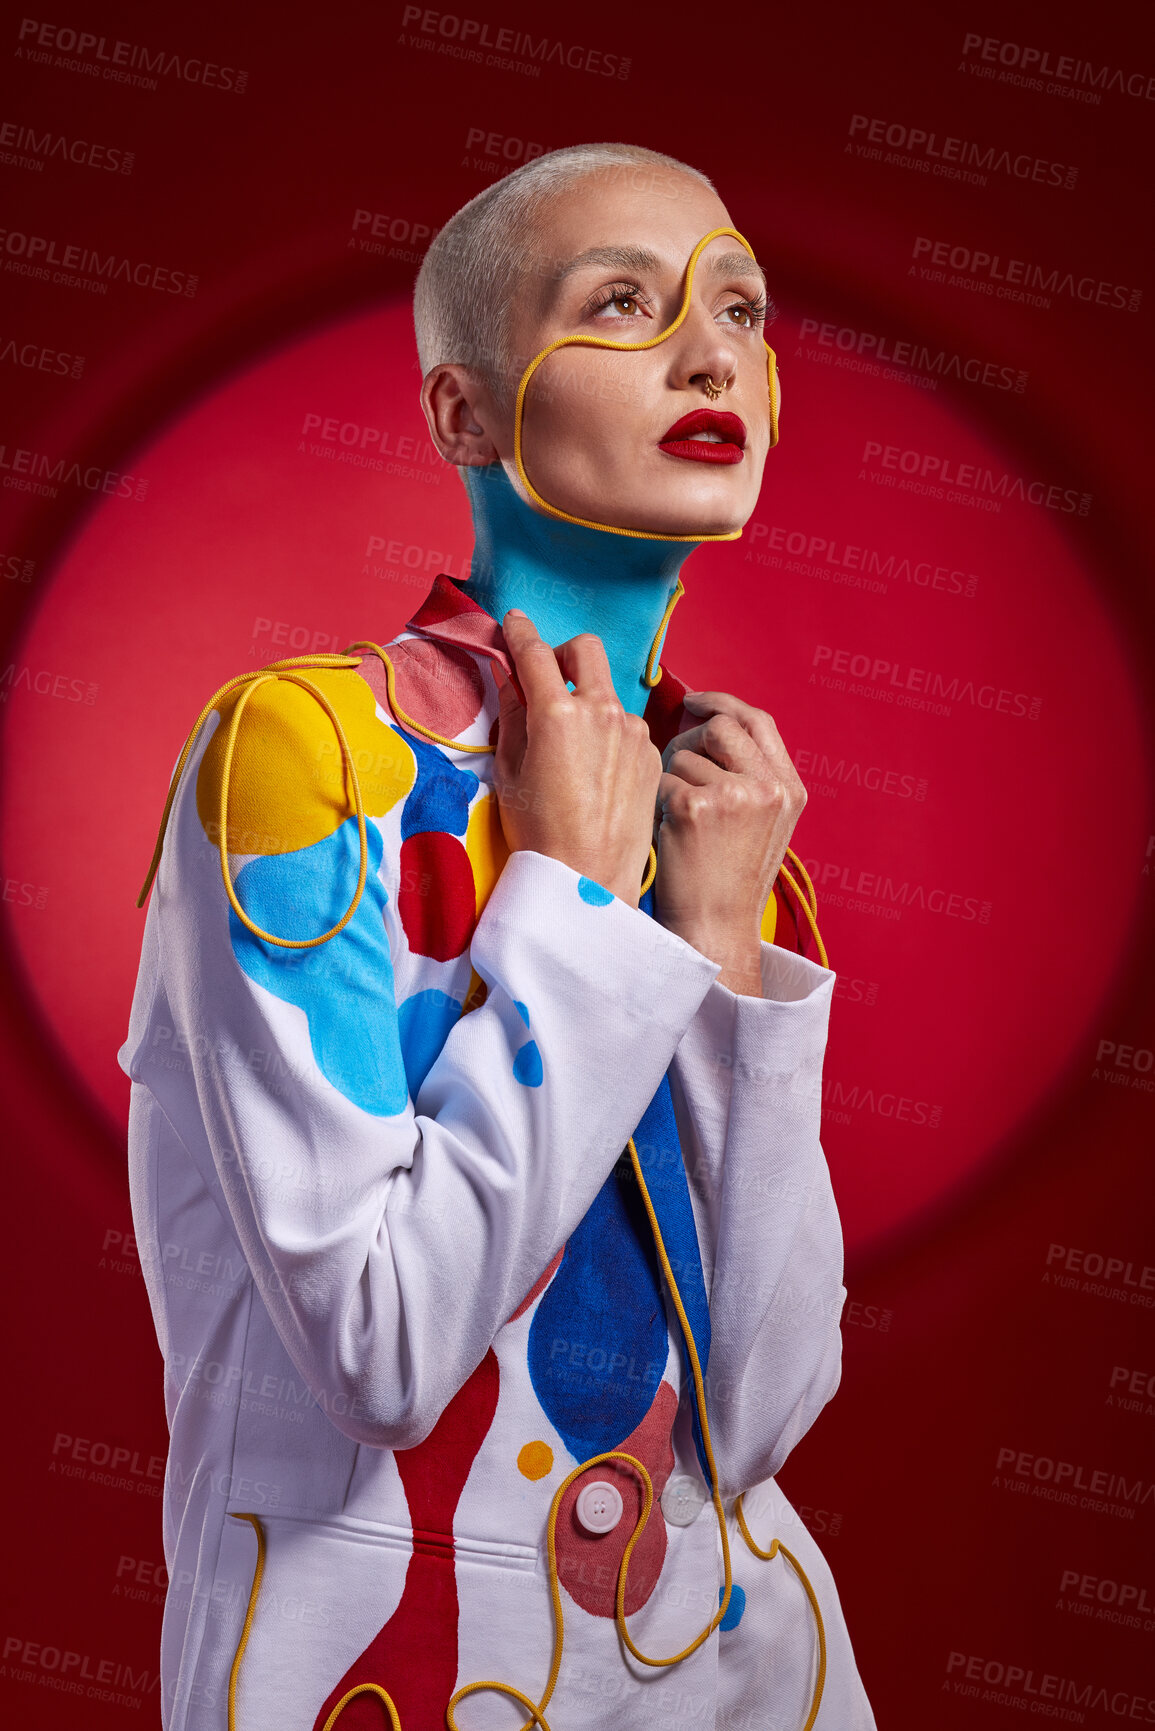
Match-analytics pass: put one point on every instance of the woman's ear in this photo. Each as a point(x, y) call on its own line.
point(457, 408)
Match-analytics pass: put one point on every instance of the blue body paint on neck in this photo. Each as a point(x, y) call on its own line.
point(569, 579)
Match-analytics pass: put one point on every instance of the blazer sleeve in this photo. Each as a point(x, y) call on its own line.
point(389, 1237)
point(747, 1089)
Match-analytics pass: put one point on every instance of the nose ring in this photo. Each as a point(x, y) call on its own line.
point(712, 390)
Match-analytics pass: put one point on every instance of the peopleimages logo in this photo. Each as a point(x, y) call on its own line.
point(1012, 1685)
point(934, 155)
point(1018, 277)
point(939, 477)
point(876, 892)
point(122, 62)
point(36, 472)
point(917, 357)
point(1035, 64)
point(469, 38)
point(25, 147)
point(37, 357)
point(915, 687)
point(48, 260)
point(859, 567)
point(1071, 1484)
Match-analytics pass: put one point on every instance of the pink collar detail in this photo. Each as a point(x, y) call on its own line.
point(448, 616)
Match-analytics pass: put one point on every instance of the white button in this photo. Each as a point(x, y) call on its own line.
point(682, 1500)
point(599, 1507)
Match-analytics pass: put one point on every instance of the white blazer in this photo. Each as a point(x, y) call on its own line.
point(354, 1168)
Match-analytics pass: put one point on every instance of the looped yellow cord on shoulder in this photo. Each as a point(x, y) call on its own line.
point(274, 667)
point(355, 780)
point(408, 720)
point(291, 670)
point(588, 342)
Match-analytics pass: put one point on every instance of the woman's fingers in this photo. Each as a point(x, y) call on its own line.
point(533, 659)
point(511, 728)
point(756, 722)
point(724, 740)
point(583, 661)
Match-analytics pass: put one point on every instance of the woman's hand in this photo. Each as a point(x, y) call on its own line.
point(576, 774)
point(728, 800)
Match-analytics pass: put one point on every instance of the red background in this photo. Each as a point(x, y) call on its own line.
point(983, 865)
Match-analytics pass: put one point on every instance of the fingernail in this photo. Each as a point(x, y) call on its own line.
point(516, 611)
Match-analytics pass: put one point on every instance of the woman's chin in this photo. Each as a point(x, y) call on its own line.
point(692, 517)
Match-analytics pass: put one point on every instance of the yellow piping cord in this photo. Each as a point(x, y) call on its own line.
point(290, 670)
point(250, 1612)
point(362, 1689)
point(811, 892)
point(776, 1545)
point(649, 677)
point(805, 905)
point(222, 840)
point(611, 343)
point(335, 661)
point(537, 1712)
point(407, 720)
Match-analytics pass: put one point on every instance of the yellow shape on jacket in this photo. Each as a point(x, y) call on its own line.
point(486, 846)
point(289, 784)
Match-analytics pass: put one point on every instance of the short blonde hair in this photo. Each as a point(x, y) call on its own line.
point(462, 294)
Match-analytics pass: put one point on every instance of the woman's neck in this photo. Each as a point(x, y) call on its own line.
point(570, 579)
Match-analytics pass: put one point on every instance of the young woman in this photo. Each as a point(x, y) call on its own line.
point(477, 1057)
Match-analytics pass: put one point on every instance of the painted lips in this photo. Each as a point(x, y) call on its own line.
point(706, 436)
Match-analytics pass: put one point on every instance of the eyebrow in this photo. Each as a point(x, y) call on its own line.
point(616, 257)
point(735, 264)
point(638, 258)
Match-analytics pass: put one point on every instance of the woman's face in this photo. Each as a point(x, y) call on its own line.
point(608, 258)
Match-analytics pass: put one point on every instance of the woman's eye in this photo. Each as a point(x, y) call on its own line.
point(741, 315)
point(628, 305)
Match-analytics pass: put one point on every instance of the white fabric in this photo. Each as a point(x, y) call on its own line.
point(324, 1280)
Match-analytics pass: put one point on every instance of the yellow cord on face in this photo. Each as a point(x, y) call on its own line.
point(611, 343)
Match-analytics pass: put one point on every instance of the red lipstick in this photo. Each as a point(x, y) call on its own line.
point(725, 444)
